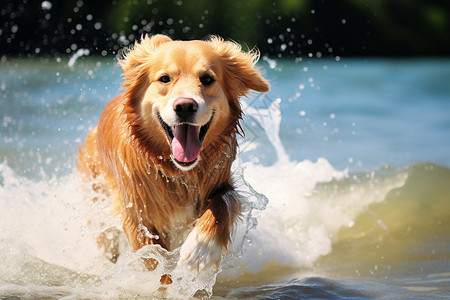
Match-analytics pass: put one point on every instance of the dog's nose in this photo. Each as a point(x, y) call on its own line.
point(185, 108)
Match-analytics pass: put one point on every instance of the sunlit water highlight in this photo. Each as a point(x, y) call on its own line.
point(339, 204)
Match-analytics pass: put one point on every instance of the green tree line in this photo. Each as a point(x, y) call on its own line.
point(277, 27)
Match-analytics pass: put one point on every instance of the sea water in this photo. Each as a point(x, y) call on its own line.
point(344, 169)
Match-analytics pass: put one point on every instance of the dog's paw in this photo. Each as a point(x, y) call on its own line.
point(200, 251)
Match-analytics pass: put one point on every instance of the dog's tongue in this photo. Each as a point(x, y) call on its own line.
point(186, 143)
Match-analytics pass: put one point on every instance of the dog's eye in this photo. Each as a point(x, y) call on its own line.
point(207, 80)
point(164, 79)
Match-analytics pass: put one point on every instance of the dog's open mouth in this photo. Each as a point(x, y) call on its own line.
point(185, 141)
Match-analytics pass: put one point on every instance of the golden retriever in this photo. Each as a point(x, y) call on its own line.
point(165, 145)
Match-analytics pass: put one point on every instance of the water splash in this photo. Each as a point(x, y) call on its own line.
point(300, 222)
point(76, 55)
point(270, 120)
point(272, 63)
point(48, 238)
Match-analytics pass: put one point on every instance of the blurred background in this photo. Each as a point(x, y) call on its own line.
point(279, 28)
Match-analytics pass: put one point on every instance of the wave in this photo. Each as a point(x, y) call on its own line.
point(309, 203)
point(406, 233)
point(316, 217)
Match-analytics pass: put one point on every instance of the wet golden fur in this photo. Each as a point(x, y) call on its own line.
point(130, 151)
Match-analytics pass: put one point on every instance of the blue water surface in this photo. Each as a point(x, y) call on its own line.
point(365, 113)
point(359, 114)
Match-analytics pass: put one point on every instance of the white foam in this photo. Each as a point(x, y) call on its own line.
point(49, 217)
point(45, 240)
point(301, 220)
point(44, 228)
point(292, 230)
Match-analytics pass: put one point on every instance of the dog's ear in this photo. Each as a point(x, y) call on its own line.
point(141, 51)
point(240, 73)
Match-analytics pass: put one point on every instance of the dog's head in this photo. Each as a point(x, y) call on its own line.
point(183, 95)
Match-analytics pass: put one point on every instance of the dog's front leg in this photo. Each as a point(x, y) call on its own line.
point(212, 233)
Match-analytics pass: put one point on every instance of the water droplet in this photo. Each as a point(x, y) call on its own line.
point(272, 63)
point(14, 28)
point(46, 5)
